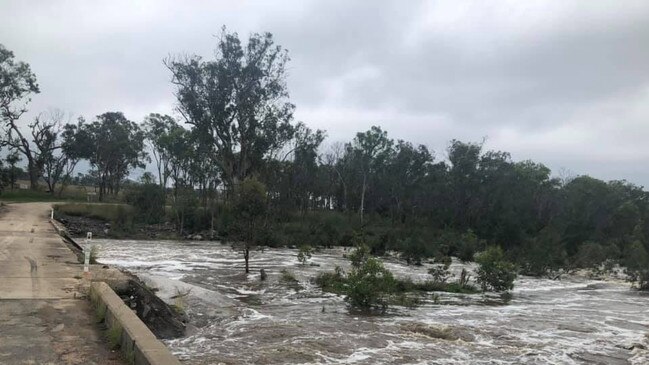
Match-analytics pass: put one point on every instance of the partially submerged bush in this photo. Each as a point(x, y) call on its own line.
point(359, 255)
point(304, 254)
point(440, 271)
point(495, 273)
point(464, 278)
point(288, 278)
point(637, 263)
point(369, 285)
point(334, 282)
point(590, 255)
point(543, 255)
point(413, 250)
point(467, 246)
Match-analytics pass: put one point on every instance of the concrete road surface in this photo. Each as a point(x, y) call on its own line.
point(44, 318)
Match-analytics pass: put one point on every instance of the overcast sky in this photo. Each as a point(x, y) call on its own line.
point(565, 83)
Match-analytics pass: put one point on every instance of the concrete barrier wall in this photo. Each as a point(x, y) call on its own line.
point(63, 232)
point(138, 344)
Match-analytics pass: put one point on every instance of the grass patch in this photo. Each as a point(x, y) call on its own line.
point(407, 285)
point(129, 356)
point(114, 336)
point(180, 301)
point(101, 211)
point(28, 196)
point(287, 276)
point(94, 254)
point(100, 313)
point(120, 216)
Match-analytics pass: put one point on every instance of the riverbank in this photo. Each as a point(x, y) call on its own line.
point(78, 226)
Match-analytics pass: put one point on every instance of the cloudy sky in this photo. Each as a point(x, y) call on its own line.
point(565, 83)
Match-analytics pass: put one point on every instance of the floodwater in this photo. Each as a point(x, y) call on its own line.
point(238, 319)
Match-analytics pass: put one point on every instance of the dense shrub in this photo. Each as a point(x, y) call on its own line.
point(369, 286)
point(636, 261)
point(590, 255)
point(467, 246)
point(543, 255)
point(335, 282)
point(495, 273)
point(149, 202)
point(413, 250)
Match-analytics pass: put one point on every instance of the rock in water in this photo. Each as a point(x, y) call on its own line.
point(440, 332)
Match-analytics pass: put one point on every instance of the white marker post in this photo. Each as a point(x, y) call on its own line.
point(52, 214)
point(86, 251)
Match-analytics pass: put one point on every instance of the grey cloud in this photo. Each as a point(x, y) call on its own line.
point(536, 78)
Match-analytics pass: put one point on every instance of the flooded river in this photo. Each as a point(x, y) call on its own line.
point(239, 319)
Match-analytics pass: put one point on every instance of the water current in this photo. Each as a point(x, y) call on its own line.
point(238, 319)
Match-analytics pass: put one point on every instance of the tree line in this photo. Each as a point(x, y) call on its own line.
point(236, 145)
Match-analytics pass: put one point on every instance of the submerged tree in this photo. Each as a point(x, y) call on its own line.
point(250, 212)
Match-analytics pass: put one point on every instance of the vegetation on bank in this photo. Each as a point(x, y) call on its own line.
point(241, 169)
point(29, 196)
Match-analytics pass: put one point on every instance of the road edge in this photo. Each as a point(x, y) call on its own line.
point(138, 344)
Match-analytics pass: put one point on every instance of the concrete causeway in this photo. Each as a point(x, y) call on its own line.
point(44, 318)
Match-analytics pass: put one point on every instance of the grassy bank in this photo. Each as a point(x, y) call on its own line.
point(30, 196)
point(114, 213)
point(109, 220)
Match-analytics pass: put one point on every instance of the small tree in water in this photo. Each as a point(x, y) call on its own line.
point(440, 272)
point(359, 255)
point(250, 209)
point(304, 255)
point(637, 265)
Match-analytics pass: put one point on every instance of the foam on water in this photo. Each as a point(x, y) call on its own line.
point(243, 320)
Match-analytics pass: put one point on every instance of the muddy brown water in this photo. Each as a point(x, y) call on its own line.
point(238, 319)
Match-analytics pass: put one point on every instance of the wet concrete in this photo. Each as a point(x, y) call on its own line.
point(44, 318)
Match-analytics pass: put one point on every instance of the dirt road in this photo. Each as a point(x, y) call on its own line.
point(44, 318)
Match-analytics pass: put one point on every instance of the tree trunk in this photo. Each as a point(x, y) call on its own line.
point(102, 186)
point(181, 220)
point(13, 177)
point(246, 257)
point(33, 175)
point(363, 197)
point(211, 223)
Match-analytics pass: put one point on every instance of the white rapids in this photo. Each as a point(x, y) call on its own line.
point(238, 319)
